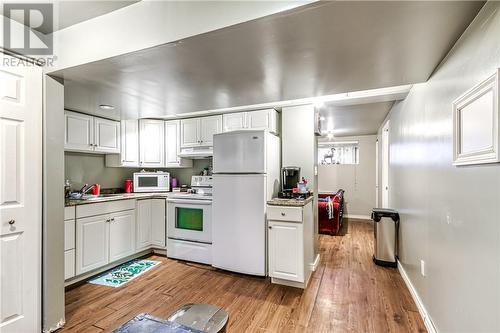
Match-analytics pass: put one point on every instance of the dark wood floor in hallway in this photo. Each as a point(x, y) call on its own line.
point(347, 293)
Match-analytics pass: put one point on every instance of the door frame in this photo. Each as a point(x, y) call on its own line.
point(385, 159)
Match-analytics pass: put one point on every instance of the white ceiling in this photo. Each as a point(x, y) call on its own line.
point(69, 12)
point(351, 120)
point(319, 49)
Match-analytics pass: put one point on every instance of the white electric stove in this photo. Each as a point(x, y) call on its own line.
point(189, 230)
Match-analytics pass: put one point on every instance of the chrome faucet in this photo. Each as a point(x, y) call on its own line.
point(86, 188)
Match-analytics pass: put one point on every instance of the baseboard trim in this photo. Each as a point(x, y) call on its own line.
point(420, 305)
point(315, 264)
point(361, 217)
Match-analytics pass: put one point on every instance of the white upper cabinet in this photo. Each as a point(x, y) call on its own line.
point(209, 126)
point(79, 131)
point(87, 133)
point(196, 132)
point(190, 132)
point(234, 121)
point(129, 147)
point(130, 143)
point(107, 135)
point(173, 146)
point(152, 143)
point(261, 119)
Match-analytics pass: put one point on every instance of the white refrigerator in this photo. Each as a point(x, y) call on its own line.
point(246, 167)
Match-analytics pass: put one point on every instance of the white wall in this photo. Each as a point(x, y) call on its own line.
point(450, 216)
point(299, 148)
point(358, 180)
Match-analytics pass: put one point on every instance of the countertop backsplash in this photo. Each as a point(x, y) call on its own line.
point(81, 168)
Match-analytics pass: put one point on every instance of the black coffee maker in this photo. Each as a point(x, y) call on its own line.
point(290, 176)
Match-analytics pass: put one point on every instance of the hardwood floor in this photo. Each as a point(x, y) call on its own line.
point(347, 293)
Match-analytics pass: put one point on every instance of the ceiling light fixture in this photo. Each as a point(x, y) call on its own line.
point(107, 107)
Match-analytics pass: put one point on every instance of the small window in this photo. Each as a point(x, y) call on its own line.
point(338, 152)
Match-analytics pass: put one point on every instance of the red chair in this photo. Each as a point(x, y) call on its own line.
point(333, 225)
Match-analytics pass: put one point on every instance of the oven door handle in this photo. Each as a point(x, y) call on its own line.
point(187, 201)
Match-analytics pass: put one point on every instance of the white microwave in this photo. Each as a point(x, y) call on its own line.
point(151, 181)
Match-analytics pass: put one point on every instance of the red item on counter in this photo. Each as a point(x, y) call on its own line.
point(295, 190)
point(96, 190)
point(128, 185)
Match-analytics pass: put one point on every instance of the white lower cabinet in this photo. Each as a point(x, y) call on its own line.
point(286, 259)
point(92, 243)
point(158, 222)
point(121, 235)
point(103, 239)
point(69, 264)
point(290, 243)
point(151, 223)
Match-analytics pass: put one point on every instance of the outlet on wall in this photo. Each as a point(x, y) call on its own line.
point(422, 268)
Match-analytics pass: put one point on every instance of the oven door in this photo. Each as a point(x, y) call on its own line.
point(190, 220)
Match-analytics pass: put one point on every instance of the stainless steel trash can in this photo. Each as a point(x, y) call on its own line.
point(203, 317)
point(386, 231)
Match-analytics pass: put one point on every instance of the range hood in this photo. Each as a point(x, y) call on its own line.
point(197, 153)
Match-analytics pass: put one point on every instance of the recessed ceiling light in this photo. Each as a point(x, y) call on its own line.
point(106, 107)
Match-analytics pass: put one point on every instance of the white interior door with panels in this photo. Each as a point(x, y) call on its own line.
point(152, 143)
point(20, 197)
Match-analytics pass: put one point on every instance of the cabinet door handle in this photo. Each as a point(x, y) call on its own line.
point(113, 219)
point(270, 227)
point(108, 220)
point(11, 222)
point(283, 214)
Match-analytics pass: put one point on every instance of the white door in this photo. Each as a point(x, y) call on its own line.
point(190, 136)
point(79, 131)
point(234, 121)
point(121, 235)
point(172, 144)
point(209, 126)
point(385, 166)
point(92, 243)
point(239, 223)
point(286, 250)
point(377, 178)
point(158, 221)
point(129, 143)
point(143, 225)
point(152, 142)
point(107, 135)
point(240, 152)
point(20, 197)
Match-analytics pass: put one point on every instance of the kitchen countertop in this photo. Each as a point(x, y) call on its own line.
point(290, 202)
point(121, 196)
